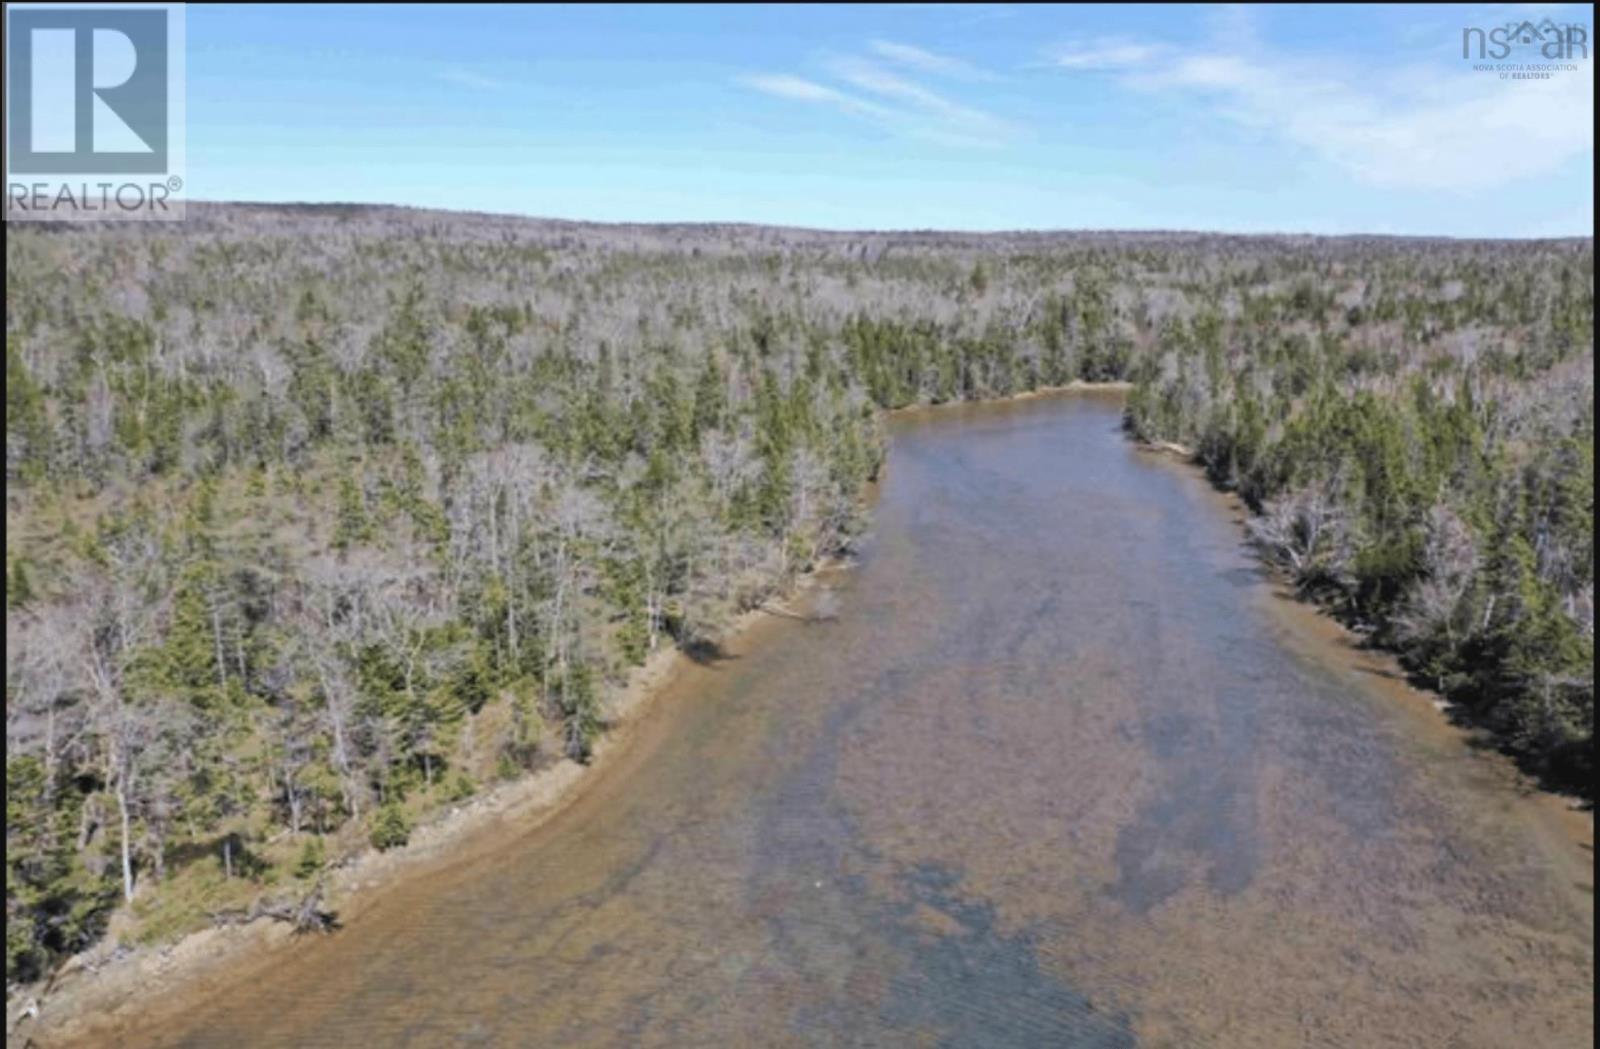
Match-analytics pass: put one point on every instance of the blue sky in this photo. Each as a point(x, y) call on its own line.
point(1316, 119)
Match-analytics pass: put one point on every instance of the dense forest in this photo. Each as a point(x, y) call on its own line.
point(319, 518)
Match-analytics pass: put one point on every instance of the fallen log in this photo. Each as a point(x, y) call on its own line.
point(305, 915)
point(826, 607)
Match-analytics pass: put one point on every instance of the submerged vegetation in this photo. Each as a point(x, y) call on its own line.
point(319, 518)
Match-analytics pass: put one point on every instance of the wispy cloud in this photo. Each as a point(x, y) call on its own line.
point(461, 76)
point(894, 102)
point(950, 120)
point(799, 89)
point(1428, 128)
point(927, 61)
point(1106, 53)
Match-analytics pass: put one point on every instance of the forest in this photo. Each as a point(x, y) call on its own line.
point(322, 518)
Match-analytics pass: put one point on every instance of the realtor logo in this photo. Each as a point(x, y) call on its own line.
point(88, 91)
point(93, 91)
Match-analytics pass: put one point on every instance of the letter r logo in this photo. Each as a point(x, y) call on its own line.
point(86, 90)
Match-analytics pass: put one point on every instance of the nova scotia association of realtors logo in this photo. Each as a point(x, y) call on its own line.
point(1525, 49)
point(94, 111)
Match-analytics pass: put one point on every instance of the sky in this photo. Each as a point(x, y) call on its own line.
point(1287, 119)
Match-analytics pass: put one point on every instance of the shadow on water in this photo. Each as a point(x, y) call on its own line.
point(1245, 577)
point(706, 653)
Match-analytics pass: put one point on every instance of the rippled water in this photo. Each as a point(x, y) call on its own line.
point(1054, 776)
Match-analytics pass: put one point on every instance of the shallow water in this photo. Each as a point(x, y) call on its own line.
point(1056, 775)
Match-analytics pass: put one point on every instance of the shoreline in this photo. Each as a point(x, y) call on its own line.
point(1373, 659)
point(1306, 627)
point(1118, 386)
point(103, 989)
point(97, 989)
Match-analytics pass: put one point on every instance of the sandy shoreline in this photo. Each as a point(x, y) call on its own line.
point(94, 989)
point(1075, 386)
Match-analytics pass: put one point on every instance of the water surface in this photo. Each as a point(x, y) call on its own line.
point(1054, 776)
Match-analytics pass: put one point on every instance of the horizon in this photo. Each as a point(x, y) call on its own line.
point(1361, 121)
point(1042, 231)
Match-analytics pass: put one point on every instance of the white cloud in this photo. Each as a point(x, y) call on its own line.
point(916, 111)
point(1442, 127)
point(927, 61)
point(802, 90)
point(955, 118)
point(1106, 53)
point(464, 77)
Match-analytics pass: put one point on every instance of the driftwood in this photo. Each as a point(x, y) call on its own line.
point(305, 915)
point(825, 607)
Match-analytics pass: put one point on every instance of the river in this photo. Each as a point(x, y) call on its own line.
point(1063, 770)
